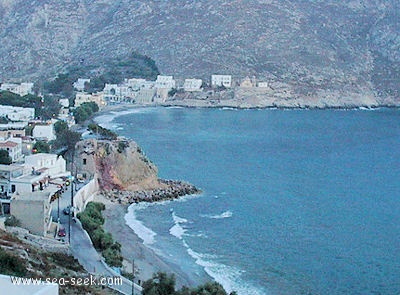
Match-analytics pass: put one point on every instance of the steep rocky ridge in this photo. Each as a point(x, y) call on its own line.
point(316, 48)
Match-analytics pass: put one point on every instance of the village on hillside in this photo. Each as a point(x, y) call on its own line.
point(33, 178)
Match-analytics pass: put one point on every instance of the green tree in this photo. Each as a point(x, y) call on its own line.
point(66, 139)
point(113, 255)
point(213, 288)
point(41, 147)
point(160, 284)
point(5, 157)
point(60, 127)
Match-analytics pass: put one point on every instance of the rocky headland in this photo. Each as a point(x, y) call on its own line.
point(125, 175)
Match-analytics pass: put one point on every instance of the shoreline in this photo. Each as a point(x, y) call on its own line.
point(128, 106)
point(147, 261)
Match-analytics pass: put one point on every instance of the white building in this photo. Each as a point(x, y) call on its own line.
point(80, 84)
point(192, 85)
point(165, 82)
point(14, 147)
point(263, 84)
point(47, 164)
point(20, 89)
point(82, 97)
point(136, 84)
point(64, 102)
point(44, 132)
point(221, 80)
point(17, 114)
point(12, 130)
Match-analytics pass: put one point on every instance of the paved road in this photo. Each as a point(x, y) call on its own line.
point(83, 250)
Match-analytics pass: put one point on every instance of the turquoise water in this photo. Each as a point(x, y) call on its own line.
point(294, 202)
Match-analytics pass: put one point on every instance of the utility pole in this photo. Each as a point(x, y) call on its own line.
point(72, 198)
point(133, 272)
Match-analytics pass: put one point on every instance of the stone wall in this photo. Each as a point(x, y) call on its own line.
point(85, 195)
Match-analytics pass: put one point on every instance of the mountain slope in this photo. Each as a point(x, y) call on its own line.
point(314, 47)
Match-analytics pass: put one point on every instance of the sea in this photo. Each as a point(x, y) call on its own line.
point(293, 201)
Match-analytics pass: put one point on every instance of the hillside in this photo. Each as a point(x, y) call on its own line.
point(315, 48)
point(18, 258)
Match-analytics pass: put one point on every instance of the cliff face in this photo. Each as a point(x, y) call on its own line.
point(315, 48)
point(119, 165)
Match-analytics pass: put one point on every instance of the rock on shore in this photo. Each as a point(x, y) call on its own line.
point(171, 189)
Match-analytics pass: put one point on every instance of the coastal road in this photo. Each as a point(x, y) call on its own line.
point(83, 250)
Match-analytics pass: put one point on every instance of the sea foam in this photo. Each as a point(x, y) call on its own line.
point(229, 277)
point(143, 232)
point(177, 230)
point(223, 215)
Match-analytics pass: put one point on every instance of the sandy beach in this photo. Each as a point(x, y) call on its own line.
point(147, 261)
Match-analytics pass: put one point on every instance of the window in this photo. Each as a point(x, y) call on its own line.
point(84, 161)
point(13, 189)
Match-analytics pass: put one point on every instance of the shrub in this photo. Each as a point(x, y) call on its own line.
point(41, 147)
point(122, 145)
point(12, 264)
point(12, 221)
point(5, 157)
point(113, 256)
point(92, 221)
point(88, 223)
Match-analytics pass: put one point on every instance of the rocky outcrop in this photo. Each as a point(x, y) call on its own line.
point(125, 174)
point(171, 190)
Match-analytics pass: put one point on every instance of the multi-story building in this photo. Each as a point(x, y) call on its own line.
point(82, 97)
point(33, 209)
point(20, 89)
point(44, 132)
point(221, 80)
point(17, 114)
point(12, 130)
point(13, 146)
point(47, 164)
point(165, 82)
point(192, 85)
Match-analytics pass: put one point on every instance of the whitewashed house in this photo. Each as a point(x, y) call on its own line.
point(165, 82)
point(14, 147)
point(48, 164)
point(17, 114)
point(44, 132)
point(192, 85)
point(82, 97)
point(263, 85)
point(221, 80)
point(20, 89)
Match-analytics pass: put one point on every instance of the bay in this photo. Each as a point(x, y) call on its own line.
point(294, 202)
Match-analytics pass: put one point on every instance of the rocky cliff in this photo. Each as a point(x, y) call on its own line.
point(119, 164)
point(314, 48)
point(125, 174)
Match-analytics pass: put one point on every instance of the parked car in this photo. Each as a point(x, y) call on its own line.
point(67, 210)
point(61, 232)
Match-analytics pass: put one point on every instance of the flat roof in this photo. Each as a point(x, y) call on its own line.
point(38, 195)
point(10, 167)
point(8, 144)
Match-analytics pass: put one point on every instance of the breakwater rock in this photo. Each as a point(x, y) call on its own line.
point(169, 190)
